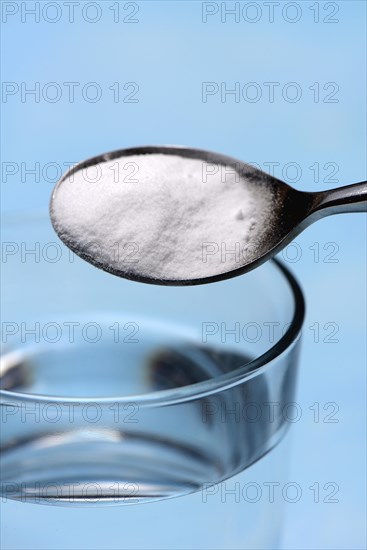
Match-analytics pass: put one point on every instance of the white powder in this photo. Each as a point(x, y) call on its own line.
point(161, 216)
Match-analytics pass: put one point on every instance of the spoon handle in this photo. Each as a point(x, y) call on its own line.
point(351, 198)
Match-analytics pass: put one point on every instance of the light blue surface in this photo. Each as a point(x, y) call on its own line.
point(169, 53)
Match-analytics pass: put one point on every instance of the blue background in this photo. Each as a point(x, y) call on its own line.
point(169, 52)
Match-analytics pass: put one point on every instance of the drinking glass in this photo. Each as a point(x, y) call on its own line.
point(137, 416)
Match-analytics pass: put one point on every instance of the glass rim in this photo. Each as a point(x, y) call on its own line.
point(198, 389)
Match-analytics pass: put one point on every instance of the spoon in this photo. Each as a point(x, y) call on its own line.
point(290, 213)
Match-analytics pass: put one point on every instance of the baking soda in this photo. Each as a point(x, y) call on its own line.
point(161, 216)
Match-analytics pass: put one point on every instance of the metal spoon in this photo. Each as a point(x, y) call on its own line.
point(292, 210)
